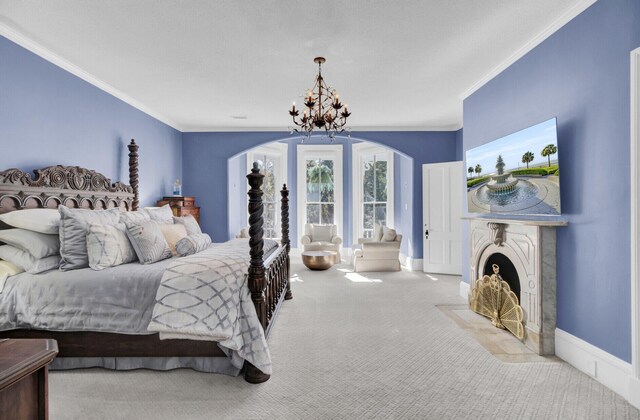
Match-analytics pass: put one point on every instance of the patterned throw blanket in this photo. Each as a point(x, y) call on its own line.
point(205, 296)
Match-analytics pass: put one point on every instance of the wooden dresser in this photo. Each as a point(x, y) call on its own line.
point(24, 376)
point(182, 206)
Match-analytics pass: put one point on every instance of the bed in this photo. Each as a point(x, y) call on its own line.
point(122, 342)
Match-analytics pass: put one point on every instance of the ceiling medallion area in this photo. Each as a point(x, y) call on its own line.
point(322, 110)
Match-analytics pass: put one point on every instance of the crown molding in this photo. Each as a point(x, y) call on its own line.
point(30, 45)
point(565, 18)
point(214, 129)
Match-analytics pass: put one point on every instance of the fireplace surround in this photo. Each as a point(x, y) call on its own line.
point(530, 247)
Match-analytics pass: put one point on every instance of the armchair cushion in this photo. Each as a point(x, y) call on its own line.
point(377, 232)
point(336, 240)
point(322, 233)
point(305, 240)
point(388, 235)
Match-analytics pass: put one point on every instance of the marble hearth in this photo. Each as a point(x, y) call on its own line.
point(531, 247)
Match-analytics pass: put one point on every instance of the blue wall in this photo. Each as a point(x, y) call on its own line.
point(581, 76)
point(205, 171)
point(49, 116)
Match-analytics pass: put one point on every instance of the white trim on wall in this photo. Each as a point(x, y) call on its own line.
point(411, 264)
point(565, 18)
point(330, 151)
point(465, 289)
point(634, 380)
point(357, 150)
point(605, 368)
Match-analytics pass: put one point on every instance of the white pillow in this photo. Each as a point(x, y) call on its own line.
point(39, 245)
point(109, 246)
point(134, 217)
point(388, 235)
point(189, 223)
point(322, 233)
point(26, 261)
point(37, 220)
point(160, 215)
point(7, 270)
point(172, 234)
point(377, 232)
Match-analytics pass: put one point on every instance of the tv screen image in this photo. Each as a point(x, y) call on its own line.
point(516, 174)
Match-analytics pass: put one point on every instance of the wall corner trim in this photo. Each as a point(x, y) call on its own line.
point(605, 368)
point(411, 264)
point(39, 50)
point(562, 20)
point(465, 289)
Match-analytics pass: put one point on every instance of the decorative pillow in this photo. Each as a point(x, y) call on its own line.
point(108, 246)
point(37, 220)
point(322, 233)
point(388, 235)
point(7, 270)
point(134, 217)
point(160, 214)
point(26, 261)
point(377, 232)
point(148, 242)
point(189, 223)
point(172, 234)
point(193, 244)
point(39, 245)
point(74, 225)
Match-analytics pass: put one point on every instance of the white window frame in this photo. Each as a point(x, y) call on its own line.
point(358, 151)
point(333, 152)
point(279, 150)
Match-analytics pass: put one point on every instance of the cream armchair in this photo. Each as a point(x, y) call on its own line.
point(380, 253)
point(321, 238)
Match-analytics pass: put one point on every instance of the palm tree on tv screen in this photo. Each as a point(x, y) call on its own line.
point(528, 157)
point(470, 170)
point(478, 169)
point(549, 150)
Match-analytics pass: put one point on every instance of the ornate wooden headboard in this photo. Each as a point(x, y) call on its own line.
point(72, 186)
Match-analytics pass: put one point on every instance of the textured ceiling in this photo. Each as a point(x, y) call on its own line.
point(195, 64)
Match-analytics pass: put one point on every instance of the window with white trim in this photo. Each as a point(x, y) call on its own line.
point(319, 185)
point(373, 185)
point(272, 161)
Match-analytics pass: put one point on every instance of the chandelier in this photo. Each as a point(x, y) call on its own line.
point(322, 109)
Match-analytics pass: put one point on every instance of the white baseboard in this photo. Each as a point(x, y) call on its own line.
point(464, 290)
point(634, 391)
point(605, 368)
point(412, 264)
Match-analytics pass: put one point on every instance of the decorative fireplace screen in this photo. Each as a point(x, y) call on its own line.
point(492, 297)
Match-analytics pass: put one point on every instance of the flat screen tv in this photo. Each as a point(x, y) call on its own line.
point(516, 174)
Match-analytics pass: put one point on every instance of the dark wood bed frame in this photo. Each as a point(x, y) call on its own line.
point(78, 187)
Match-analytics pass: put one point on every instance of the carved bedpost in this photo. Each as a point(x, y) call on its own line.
point(256, 278)
point(285, 235)
point(133, 173)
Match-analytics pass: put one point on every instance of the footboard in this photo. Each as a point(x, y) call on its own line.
point(268, 280)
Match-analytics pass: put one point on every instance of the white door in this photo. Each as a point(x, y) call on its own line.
point(441, 213)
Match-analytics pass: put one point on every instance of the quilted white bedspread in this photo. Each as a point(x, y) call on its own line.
point(205, 296)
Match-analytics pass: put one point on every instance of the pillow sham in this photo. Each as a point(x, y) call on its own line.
point(189, 223)
point(160, 214)
point(172, 234)
point(193, 244)
point(388, 235)
point(26, 261)
point(7, 270)
point(137, 217)
point(37, 220)
point(74, 224)
point(148, 242)
point(40, 245)
point(109, 246)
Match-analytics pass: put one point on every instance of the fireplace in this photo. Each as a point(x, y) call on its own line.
point(508, 271)
point(525, 251)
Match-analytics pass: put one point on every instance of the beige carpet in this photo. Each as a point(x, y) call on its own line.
point(350, 346)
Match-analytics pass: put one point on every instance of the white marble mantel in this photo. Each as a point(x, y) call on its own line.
point(530, 244)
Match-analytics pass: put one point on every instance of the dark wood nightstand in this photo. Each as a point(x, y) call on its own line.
point(181, 206)
point(24, 377)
